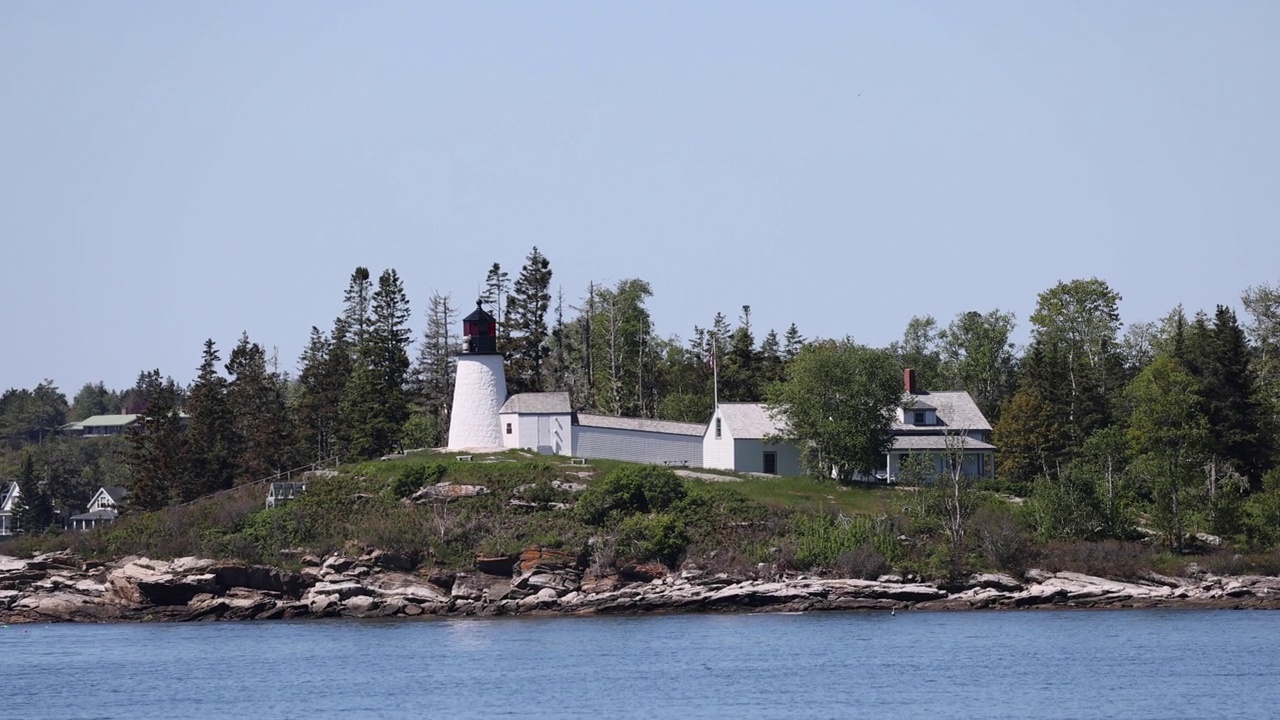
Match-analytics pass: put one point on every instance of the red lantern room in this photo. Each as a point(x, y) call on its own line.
point(480, 332)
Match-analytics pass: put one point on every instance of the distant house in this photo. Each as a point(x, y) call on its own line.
point(100, 425)
point(8, 503)
point(545, 423)
point(739, 437)
point(104, 507)
point(940, 425)
point(282, 492)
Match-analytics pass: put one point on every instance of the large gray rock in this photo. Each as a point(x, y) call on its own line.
point(147, 582)
point(344, 591)
point(407, 587)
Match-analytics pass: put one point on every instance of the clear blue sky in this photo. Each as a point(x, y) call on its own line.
point(176, 171)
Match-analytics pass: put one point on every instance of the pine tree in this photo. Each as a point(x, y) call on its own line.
point(33, 511)
point(496, 286)
point(355, 313)
point(210, 431)
point(526, 320)
point(157, 448)
point(1217, 354)
point(770, 370)
point(434, 370)
point(738, 381)
point(375, 402)
point(256, 401)
point(792, 341)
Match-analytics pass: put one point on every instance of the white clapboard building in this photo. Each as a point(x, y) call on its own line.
point(545, 422)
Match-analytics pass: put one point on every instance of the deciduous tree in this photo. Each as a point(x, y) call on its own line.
point(838, 403)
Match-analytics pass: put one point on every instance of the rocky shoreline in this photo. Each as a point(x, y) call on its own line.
point(61, 587)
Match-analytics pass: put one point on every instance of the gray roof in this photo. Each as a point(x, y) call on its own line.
point(104, 514)
point(669, 427)
point(937, 442)
point(540, 403)
point(751, 421)
point(116, 494)
point(107, 421)
point(955, 409)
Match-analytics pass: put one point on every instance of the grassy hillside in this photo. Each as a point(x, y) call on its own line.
point(626, 514)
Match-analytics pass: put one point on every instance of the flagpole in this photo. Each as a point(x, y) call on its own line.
point(715, 375)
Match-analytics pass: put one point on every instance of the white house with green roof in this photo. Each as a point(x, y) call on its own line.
point(100, 425)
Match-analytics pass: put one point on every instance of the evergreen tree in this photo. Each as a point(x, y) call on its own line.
point(792, 342)
point(211, 434)
point(526, 321)
point(770, 360)
point(325, 368)
point(738, 375)
point(375, 402)
point(157, 447)
point(355, 313)
point(1218, 356)
point(434, 370)
point(256, 401)
point(33, 511)
point(496, 287)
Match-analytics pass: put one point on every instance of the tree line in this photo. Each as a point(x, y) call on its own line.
point(1171, 422)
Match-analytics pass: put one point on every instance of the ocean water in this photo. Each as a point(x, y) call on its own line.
point(1035, 664)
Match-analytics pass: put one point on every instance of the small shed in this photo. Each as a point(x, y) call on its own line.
point(540, 421)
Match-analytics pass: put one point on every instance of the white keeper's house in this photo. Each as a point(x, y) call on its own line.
point(741, 437)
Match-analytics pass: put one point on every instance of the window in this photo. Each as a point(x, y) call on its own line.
point(717, 428)
point(917, 417)
point(508, 428)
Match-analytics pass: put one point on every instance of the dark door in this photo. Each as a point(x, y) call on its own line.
point(771, 463)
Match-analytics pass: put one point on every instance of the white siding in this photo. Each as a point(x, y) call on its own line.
point(717, 453)
point(512, 439)
point(528, 431)
point(547, 434)
point(636, 446)
point(480, 389)
point(748, 456)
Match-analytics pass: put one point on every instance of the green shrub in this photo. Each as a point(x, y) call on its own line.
point(660, 537)
point(630, 490)
point(415, 477)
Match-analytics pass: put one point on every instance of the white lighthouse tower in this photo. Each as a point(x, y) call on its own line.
point(480, 387)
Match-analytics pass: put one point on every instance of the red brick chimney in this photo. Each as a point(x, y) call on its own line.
point(909, 381)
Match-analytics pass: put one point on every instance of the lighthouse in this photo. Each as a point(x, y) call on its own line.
point(480, 386)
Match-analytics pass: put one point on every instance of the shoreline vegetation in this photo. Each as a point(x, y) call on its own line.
point(513, 534)
point(1144, 457)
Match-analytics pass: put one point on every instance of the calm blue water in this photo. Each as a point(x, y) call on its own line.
point(1129, 664)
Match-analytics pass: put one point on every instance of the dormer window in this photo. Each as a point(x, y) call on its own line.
point(917, 417)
